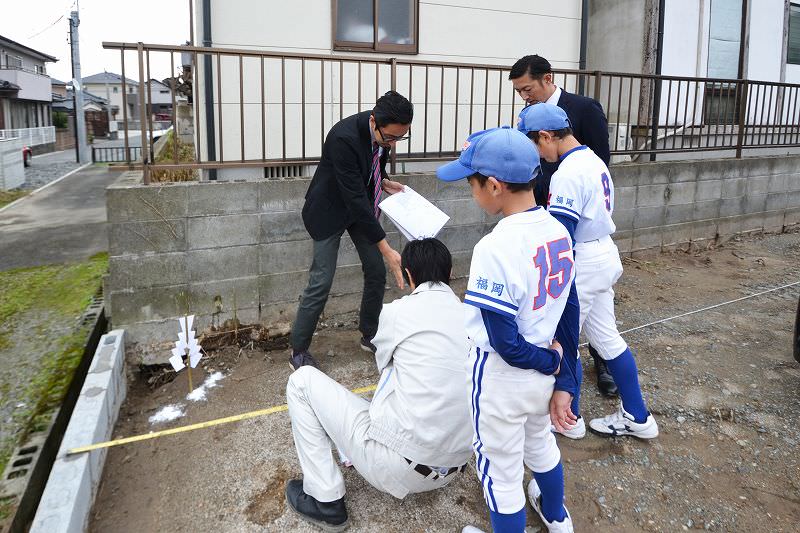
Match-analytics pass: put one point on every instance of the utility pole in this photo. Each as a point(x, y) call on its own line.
point(81, 148)
point(108, 104)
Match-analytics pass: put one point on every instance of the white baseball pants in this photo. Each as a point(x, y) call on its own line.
point(597, 269)
point(325, 412)
point(511, 423)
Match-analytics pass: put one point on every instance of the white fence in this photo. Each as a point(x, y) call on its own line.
point(32, 136)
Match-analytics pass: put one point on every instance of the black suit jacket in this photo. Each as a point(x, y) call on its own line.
point(590, 126)
point(340, 196)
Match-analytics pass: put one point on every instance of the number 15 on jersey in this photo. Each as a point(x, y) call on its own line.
point(554, 264)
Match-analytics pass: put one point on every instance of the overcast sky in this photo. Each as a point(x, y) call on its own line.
point(33, 23)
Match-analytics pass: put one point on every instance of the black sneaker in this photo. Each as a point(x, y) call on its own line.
point(605, 382)
point(302, 358)
point(367, 346)
point(330, 516)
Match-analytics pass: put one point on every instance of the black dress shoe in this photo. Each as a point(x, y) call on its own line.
point(605, 383)
point(330, 516)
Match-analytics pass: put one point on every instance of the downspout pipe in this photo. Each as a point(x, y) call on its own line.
point(584, 43)
point(657, 92)
point(208, 89)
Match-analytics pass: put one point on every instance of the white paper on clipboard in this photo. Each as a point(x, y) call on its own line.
point(414, 216)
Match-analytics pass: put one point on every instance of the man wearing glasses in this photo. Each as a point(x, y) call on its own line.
point(344, 196)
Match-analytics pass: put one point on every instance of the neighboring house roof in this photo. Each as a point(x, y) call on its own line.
point(8, 86)
point(112, 78)
point(68, 103)
point(13, 44)
point(60, 83)
point(155, 82)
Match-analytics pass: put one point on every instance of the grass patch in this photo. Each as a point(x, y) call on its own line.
point(6, 197)
point(60, 293)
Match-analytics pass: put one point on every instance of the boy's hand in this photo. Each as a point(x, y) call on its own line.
point(557, 347)
point(561, 414)
point(392, 187)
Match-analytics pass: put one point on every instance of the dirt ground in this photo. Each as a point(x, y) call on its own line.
point(722, 385)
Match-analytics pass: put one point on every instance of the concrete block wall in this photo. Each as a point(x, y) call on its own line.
point(221, 242)
point(678, 203)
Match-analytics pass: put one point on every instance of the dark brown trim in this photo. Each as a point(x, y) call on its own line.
point(375, 46)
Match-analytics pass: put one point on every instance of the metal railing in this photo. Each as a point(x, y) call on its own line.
point(273, 109)
point(31, 136)
point(115, 154)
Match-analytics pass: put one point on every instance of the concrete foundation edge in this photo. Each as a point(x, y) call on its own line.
point(72, 486)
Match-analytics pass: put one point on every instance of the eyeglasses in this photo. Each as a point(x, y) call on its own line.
point(392, 138)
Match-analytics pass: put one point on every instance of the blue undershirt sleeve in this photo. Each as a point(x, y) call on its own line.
point(568, 222)
point(567, 333)
point(513, 348)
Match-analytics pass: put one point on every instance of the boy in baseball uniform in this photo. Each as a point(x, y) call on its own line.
point(582, 199)
point(520, 278)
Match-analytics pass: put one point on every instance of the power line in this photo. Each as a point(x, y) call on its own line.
point(59, 19)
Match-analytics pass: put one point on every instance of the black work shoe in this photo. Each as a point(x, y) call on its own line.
point(367, 346)
point(605, 383)
point(302, 358)
point(330, 516)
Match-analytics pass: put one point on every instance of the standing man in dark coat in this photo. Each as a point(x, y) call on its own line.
point(344, 196)
point(532, 77)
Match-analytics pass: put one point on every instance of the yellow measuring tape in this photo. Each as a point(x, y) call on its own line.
point(192, 427)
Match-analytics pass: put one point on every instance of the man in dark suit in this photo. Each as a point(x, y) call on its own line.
point(532, 77)
point(344, 196)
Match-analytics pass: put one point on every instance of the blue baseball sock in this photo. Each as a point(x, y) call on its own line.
point(576, 400)
point(552, 486)
point(626, 376)
point(508, 523)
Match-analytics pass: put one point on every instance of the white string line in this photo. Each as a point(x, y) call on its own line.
point(702, 310)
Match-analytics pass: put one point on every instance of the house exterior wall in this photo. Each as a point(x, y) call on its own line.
point(99, 89)
point(549, 29)
point(687, 34)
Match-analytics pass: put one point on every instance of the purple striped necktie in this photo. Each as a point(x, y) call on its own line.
point(376, 177)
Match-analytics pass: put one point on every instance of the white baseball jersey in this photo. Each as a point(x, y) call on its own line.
point(582, 189)
point(522, 269)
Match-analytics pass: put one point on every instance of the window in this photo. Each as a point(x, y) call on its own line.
point(376, 25)
point(793, 53)
point(13, 61)
point(39, 69)
point(116, 90)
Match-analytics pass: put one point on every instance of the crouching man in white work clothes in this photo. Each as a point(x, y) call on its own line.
point(416, 434)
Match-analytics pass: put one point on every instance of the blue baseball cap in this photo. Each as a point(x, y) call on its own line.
point(503, 153)
point(543, 117)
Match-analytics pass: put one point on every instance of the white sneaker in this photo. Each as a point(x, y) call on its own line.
point(535, 496)
point(622, 423)
point(577, 432)
point(473, 529)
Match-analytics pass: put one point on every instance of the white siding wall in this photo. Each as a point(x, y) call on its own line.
point(461, 31)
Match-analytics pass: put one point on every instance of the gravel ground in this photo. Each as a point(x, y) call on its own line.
point(48, 167)
point(722, 385)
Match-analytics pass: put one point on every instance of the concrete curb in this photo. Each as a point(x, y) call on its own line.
point(43, 187)
point(72, 486)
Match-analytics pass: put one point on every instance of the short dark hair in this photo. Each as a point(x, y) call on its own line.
point(428, 260)
point(393, 108)
point(558, 134)
point(534, 66)
point(513, 187)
